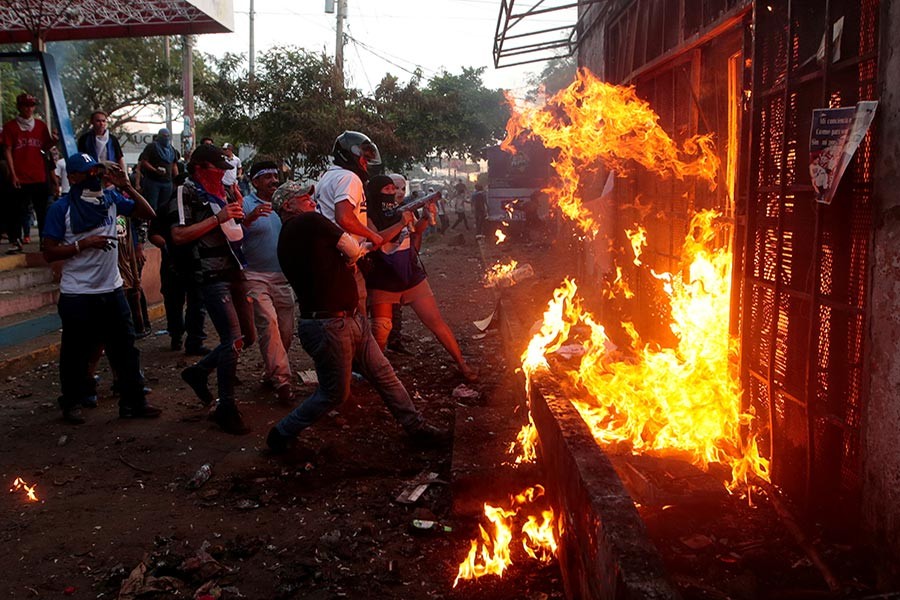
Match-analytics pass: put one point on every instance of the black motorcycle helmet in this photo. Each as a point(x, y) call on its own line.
point(355, 151)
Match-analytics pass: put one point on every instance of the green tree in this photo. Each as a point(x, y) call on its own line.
point(557, 74)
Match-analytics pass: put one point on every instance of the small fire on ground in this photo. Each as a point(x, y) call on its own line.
point(490, 553)
point(20, 485)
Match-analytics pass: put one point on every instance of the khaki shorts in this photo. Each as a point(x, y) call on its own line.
point(420, 290)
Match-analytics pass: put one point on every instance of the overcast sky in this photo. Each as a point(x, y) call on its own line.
point(388, 36)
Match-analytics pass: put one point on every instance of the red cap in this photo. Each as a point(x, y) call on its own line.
point(25, 99)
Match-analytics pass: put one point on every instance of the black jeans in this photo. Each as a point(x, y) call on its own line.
point(184, 304)
point(20, 199)
point(88, 321)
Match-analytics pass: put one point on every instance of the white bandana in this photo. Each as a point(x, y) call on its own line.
point(25, 124)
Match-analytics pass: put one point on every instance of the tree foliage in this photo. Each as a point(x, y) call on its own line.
point(293, 110)
point(557, 74)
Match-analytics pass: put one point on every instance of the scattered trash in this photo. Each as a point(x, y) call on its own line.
point(424, 525)
point(415, 488)
point(247, 504)
point(484, 323)
point(697, 541)
point(200, 477)
point(571, 351)
point(308, 377)
point(479, 336)
point(462, 391)
point(62, 441)
point(70, 590)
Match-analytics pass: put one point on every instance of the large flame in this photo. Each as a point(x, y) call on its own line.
point(593, 122)
point(491, 555)
point(681, 401)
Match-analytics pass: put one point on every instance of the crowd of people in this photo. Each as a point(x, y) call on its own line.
point(333, 262)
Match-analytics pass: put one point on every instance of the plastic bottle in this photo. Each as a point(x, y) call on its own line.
point(200, 477)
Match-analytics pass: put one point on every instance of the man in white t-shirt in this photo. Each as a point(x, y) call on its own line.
point(232, 175)
point(80, 231)
point(340, 196)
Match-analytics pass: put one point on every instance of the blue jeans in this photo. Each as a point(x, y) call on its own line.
point(88, 321)
point(336, 346)
point(222, 299)
point(156, 192)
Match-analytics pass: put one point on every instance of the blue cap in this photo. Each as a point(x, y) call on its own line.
point(80, 163)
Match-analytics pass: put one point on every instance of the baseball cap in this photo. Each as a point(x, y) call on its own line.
point(288, 190)
point(81, 163)
point(25, 99)
point(210, 154)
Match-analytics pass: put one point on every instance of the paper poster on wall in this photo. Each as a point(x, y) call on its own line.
point(836, 134)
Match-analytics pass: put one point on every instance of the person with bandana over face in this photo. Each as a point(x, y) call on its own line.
point(81, 231)
point(206, 215)
point(26, 142)
point(397, 276)
point(158, 168)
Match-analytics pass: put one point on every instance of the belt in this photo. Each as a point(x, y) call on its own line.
point(326, 314)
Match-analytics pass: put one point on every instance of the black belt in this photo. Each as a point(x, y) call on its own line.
point(326, 314)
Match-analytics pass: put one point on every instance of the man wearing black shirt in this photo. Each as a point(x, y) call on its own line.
point(318, 259)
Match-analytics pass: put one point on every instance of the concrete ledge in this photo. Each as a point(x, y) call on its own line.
point(605, 552)
point(49, 350)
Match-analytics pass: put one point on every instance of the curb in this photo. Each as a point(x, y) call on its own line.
point(50, 352)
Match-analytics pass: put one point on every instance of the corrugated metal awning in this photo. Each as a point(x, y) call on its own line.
point(23, 21)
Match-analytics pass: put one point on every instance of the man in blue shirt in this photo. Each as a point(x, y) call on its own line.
point(80, 231)
point(267, 289)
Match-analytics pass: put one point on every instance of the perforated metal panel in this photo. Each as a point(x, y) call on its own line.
point(803, 302)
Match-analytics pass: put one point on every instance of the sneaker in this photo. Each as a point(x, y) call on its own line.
point(427, 435)
point(139, 412)
point(73, 416)
point(89, 401)
point(230, 420)
point(278, 443)
point(26, 240)
point(197, 378)
point(399, 348)
point(197, 351)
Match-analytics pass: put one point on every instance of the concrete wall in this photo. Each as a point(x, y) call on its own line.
point(881, 427)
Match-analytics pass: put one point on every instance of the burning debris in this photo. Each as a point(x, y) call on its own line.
point(683, 400)
point(19, 484)
point(491, 555)
point(501, 237)
point(507, 274)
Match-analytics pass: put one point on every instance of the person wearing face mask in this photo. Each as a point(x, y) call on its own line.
point(26, 142)
point(158, 168)
point(397, 276)
point(267, 289)
point(206, 215)
point(80, 231)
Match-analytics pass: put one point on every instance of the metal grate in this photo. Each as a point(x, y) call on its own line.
point(805, 281)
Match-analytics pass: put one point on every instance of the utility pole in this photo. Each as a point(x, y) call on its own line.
point(252, 46)
point(339, 42)
point(187, 65)
point(168, 84)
